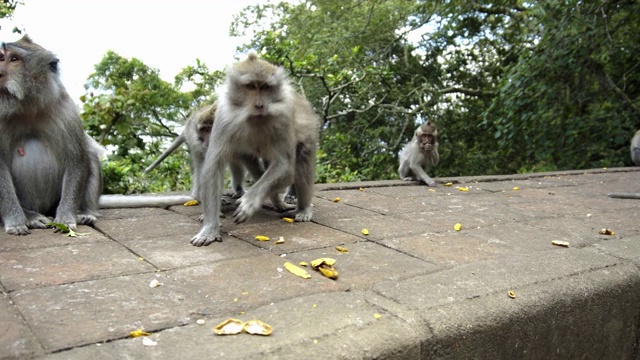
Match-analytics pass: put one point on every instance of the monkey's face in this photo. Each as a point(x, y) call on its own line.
point(204, 133)
point(426, 141)
point(11, 73)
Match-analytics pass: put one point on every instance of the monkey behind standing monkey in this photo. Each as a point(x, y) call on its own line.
point(48, 166)
point(419, 154)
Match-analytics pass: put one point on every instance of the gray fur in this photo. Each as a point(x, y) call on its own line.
point(415, 157)
point(48, 166)
point(270, 122)
point(635, 148)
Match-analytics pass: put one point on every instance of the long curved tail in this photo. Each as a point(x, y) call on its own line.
point(174, 145)
point(138, 201)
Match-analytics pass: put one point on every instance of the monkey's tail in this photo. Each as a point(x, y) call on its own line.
point(138, 201)
point(174, 145)
point(624, 195)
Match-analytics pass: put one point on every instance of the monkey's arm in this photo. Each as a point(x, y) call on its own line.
point(10, 210)
point(417, 168)
point(277, 176)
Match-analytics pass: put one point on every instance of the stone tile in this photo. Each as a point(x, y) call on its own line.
point(133, 228)
point(172, 252)
point(67, 264)
point(128, 213)
point(16, 339)
point(298, 236)
point(366, 263)
point(44, 238)
point(108, 309)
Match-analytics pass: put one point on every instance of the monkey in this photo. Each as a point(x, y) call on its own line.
point(419, 154)
point(635, 148)
point(259, 115)
point(48, 165)
point(196, 134)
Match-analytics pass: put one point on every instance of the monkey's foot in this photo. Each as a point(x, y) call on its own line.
point(36, 220)
point(17, 229)
point(69, 222)
point(86, 219)
point(432, 183)
point(302, 215)
point(206, 236)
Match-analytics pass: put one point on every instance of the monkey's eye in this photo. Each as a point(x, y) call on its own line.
point(252, 86)
point(14, 58)
point(264, 87)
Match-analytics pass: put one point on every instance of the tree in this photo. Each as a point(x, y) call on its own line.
point(132, 111)
point(7, 7)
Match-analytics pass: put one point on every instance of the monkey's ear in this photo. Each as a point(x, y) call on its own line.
point(26, 39)
point(53, 66)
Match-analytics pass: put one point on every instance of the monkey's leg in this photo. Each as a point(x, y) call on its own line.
point(212, 186)
point(404, 171)
point(304, 178)
point(237, 178)
point(91, 202)
point(13, 217)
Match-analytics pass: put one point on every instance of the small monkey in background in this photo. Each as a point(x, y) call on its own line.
point(259, 115)
point(635, 148)
point(48, 165)
point(419, 154)
point(196, 134)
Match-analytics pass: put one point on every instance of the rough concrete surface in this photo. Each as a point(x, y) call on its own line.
point(412, 288)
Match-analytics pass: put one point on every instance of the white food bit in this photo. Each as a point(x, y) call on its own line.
point(154, 283)
point(146, 341)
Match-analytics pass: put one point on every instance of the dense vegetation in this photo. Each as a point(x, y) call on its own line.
point(514, 86)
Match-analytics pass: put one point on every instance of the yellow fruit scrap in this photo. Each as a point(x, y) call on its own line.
point(361, 189)
point(464, 189)
point(377, 316)
point(297, 270)
point(230, 326)
point(342, 249)
point(322, 261)
point(257, 327)
point(512, 294)
point(365, 232)
point(328, 271)
point(336, 199)
point(138, 333)
point(432, 190)
point(560, 243)
point(457, 227)
point(289, 220)
point(262, 238)
point(191, 203)
point(302, 263)
point(516, 188)
point(606, 232)
point(448, 184)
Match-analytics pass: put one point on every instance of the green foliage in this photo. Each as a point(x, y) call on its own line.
point(514, 86)
point(7, 7)
point(129, 109)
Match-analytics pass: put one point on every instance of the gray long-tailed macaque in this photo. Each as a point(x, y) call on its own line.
point(635, 148)
point(419, 154)
point(196, 134)
point(259, 115)
point(48, 165)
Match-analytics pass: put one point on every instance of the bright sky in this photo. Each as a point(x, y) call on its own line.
point(167, 35)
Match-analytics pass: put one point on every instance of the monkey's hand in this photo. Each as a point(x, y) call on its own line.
point(247, 207)
point(206, 236)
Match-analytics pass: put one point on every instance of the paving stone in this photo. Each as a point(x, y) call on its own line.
point(108, 309)
point(149, 227)
point(297, 236)
point(67, 264)
point(44, 238)
point(16, 339)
